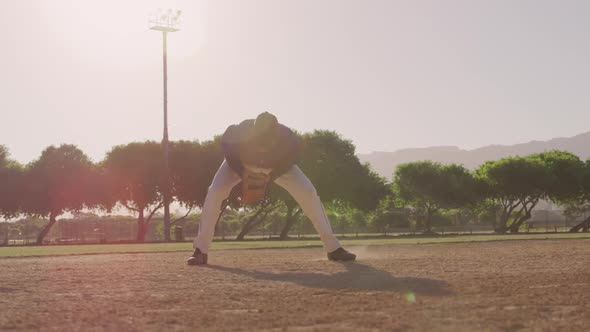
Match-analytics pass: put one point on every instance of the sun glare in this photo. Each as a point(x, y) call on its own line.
point(115, 33)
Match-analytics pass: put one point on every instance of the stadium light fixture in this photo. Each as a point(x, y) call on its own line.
point(165, 22)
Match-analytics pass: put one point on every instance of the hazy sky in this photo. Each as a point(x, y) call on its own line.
point(386, 74)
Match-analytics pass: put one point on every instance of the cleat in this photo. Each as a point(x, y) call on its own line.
point(198, 258)
point(341, 255)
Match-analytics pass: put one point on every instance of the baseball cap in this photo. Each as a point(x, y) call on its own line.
point(265, 125)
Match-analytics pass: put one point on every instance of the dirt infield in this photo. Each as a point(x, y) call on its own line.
point(494, 286)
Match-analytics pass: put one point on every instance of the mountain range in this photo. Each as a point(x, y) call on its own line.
point(385, 163)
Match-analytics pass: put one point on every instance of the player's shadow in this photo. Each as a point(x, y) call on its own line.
point(357, 276)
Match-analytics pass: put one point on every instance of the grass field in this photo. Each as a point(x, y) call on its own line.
point(36, 251)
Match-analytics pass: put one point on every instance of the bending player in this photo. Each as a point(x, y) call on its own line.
point(263, 146)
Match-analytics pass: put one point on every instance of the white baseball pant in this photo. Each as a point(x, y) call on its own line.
point(294, 181)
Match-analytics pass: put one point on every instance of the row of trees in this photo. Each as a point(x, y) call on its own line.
point(505, 191)
point(63, 179)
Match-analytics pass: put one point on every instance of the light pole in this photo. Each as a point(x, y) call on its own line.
point(6, 234)
point(166, 22)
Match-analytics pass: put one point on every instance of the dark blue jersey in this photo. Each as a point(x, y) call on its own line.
point(278, 152)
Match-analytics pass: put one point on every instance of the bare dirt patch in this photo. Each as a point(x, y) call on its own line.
point(494, 286)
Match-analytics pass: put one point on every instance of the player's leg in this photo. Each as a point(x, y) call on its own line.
point(303, 191)
point(223, 182)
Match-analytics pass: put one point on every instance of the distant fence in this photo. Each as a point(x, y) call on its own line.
point(124, 231)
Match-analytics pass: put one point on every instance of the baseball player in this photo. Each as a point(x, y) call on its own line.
point(267, 149)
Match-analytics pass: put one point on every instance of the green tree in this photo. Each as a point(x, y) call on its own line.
point(339, 215)
point(388, 215)
point(134, 176)
point(484, 212)
point(517, 184)
point(359, 220)
point(567, 175)
point(192, 167)
point(563, 182)
point(579, 205)
point(426, 187)
point(11, 174)
point(257, 214)
point(62, 180)
point(330, 162)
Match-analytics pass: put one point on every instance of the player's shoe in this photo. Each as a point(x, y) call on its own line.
point(341, 255)
point(198, 258)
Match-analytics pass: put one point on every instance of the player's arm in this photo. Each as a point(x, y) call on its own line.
point(230, 143)
point(287, 153)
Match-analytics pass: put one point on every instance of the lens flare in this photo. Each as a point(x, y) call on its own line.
point(410, 297)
